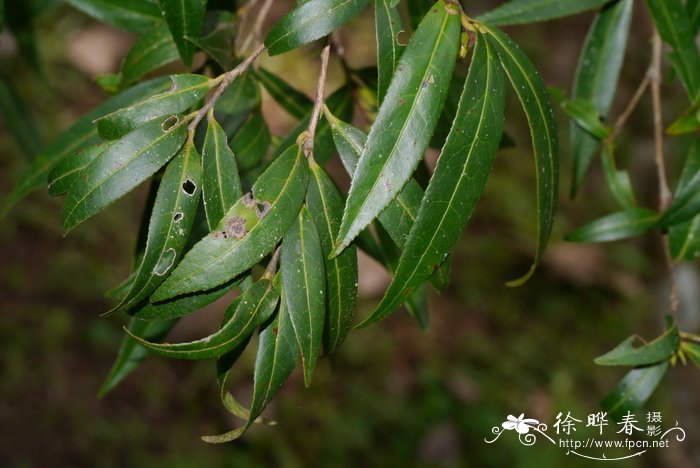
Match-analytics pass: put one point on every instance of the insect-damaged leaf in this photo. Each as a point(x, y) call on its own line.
point(152, 50)
point(545, 141)
point(170, 225)
point(248, 232)
point(310, 21)
point(405, 121)
point(221, 185)
point(123, 166)
point(186, 91)
point(326, 206)
point(596, 77)
point(633, 390)
point(255, 307)
point(458, 181)
point(616, 226)
point(530, 11)
point(132, 15)
point(184, 19)
point(80, 135)
point(389, 49)
point(303, 279)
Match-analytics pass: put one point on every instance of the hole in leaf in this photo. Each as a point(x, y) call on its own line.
point(178, 217)
point(189, 187)
point(165, 263)
point(261, 208)
point(169, 123)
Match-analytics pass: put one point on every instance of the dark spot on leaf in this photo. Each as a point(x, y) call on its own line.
point(435, 267)
point(276, 331)
point(248, 200)
point(235, 227)
point(402, 102)
point(189, 187)
point(407, 292)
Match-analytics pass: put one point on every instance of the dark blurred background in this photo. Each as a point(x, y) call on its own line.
point(394, 395)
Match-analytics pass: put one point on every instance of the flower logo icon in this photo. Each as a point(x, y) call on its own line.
point(520, 424)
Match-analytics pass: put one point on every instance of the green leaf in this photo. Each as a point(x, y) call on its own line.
point(248, 232)
point(251, 142)
point(181, 305)
point(689, 122)
point(304, 282)
point(684, 238)
point(123, 166)
point(152, 50)
point(585, 115)
point(132, 15)
point(417, 10)
point(633, 390)
point(295, 102)
point(221, 186)
point(686, 203)
point(538, 110)
point(530, 11)
point(405, 121)
point(254, 308)
point(692, 350)
point(388, 27)
point(400, 215)
point(69, 170)
point(18, 120)
point(674, 27)
point(241, 96)
point(616, 226)
point(693, 9)
point(219, 44)
point(458, 181)
point(184, 19)
point(326, 206)
point(131, 353)
point(186, 91)
point(618, 181)
point(660, 349)
point(170, 225)
point(80, 135)
point(310, 21)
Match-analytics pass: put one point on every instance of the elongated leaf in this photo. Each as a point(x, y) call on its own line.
point(684, 238)
point(530, 11)
point(293, 101)
point(181, 305)
point(597, 76)
point(131, 353)
point(151, 51)
point(585, 115)
point(219, 43)
point(618, 181)
point(221, 185)
point(310, 21)
point(326, 206)
point(256, 306)
point(616, 226)
point(70, 170)
point(633, 390)
point(675, 28)
point(18, 121)
point(686, 204)
point(304, 283)
point(186, 90)
point(80, 135)
point(406, 120)
point(184, 19)
point(545, 140)
point(692, 350)
point(388, 27)
point(693, 9)
point(248, 232)
point(171, 222)
point(459, 179)
point(132, 15)
point(122, 167)
point(251, 142)
point(660, 349)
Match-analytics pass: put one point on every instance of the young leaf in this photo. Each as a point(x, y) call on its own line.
point(251, 142)
point(186, 90)
point(530, 11)
point(132, 15)
point(69, 170)
point(184, 19)
point(123, 166)
point(597, 76)
point(326, 206)
point(586, 116)
point(389, 49)
point(660, 349)
point(131, 353)
point(692, 350)
point(221, 186)
point(248, 232)
point(80, 135)
point(633, 390)
point(293, 101)
point(616, 226)
point(684, 238)
point(303, 280)
point(310, 21)
point(459, 179)
point(675, 28)
point(152, 50)
point(170, 225)
point(405, 121)
point(535, 102)
point(618, 181)
point(254, 308)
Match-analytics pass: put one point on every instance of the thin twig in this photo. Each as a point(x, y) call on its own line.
point(225, 81)
point(308, 145)
point(257, 27)
point(622, 119)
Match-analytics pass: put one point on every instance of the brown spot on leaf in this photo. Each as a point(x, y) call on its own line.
point(235, 227)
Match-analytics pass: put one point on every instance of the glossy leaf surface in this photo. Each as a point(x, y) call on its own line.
point(616, 226)
point(633, 390)
point(529, 11)
point(184, 19)
point(627, 354)
point(152, 50)
point(132, 15)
